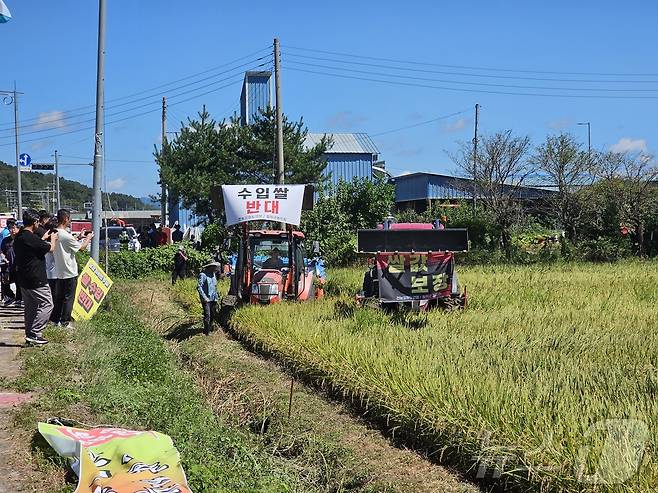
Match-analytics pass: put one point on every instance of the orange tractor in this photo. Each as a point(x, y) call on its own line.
point(271, 265)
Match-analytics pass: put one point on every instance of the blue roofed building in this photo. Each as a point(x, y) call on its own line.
point(256, 95)
point(350, 155)
point(418, 190)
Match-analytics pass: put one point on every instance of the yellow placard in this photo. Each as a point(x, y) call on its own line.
point(93, 286)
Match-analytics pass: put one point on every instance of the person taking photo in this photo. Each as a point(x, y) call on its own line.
point(66, 268)
point(30, 252)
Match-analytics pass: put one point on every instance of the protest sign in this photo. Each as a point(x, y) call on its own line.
point(409, 277)
point(93, 285)
point(281, 203)
point(117, 460)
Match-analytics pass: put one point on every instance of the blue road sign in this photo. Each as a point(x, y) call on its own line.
point(25, 161)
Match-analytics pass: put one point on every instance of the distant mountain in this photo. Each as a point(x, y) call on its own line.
point(150, 203)
point(73, 194)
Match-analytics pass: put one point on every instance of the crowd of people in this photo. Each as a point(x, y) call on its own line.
point(39, 271)
point(155, 236)
point(38, 258)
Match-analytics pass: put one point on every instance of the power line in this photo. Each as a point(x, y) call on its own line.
point(251, 55)
point(484, 84)
point(492, 69)
point(467, 74)
point(240, 74)
point(108, 160)
point(125, 118)
point(479, 91)
point(426, 122)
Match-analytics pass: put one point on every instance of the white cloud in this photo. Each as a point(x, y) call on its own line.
point(409, 151)
point(345, 120)
point(627, 144)
point(116, 184)
point(456, 126)
point(41, 144)
point(405, 172)
point(560, 123)
point(51, 119)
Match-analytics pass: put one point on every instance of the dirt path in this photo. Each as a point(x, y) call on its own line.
point(11, 340)
point(254, 392)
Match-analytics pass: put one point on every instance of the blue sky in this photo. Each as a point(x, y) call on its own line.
point(49, 49)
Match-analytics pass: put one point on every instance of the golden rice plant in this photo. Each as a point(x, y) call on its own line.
point(549, 379)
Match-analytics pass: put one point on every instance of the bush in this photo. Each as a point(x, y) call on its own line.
point(605, 249)
point(212, 235)
point(132, 265)
point(340, 211)
point(482, 232)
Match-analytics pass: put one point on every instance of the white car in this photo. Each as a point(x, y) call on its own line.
point(114, 234)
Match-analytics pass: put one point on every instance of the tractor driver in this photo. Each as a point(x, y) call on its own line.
point(274, 262)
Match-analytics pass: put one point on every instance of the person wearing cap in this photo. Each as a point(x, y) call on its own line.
point(207, 289)
point(180, 265)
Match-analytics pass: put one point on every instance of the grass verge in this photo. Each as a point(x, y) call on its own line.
point(115, 371)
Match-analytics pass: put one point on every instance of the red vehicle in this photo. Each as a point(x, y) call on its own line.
point(77, 226)
point(272, 266)
point(412, 265)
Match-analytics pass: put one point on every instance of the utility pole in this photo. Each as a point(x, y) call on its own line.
point(19, 212)
point(279, 117)
point(96, 214)
point(57, 199)
point(163, 187)
point(475, 156)
point(589, 139)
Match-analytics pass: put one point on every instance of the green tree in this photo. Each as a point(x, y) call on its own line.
point(563, 164)
point(208, 153)
point(72, 193)
point(342, 209)
point(498, 171)
point(625, 194)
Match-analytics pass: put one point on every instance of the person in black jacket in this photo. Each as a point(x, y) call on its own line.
point(177, 234)
point(180, 265)
point(30, 251)
point(9, 267)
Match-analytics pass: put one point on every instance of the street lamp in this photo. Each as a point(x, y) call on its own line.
point(11, 97)
point(589, 139)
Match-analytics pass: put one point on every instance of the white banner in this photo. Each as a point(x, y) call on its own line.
point(281, 203)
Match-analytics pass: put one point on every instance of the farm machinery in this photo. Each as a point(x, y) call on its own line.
point(412, 265)
point(271, 265)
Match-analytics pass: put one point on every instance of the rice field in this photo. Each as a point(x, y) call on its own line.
point(548, 381)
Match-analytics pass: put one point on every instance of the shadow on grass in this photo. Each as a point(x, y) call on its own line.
point(183, 331)
point(41, 448)
point(409, 319)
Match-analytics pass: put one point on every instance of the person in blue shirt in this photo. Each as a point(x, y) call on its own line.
point(5, 231)
point(207, 289)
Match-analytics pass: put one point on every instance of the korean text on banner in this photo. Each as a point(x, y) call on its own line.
point(93, 285)
point(115, 460)
point(409, 277)
point(281, 203)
